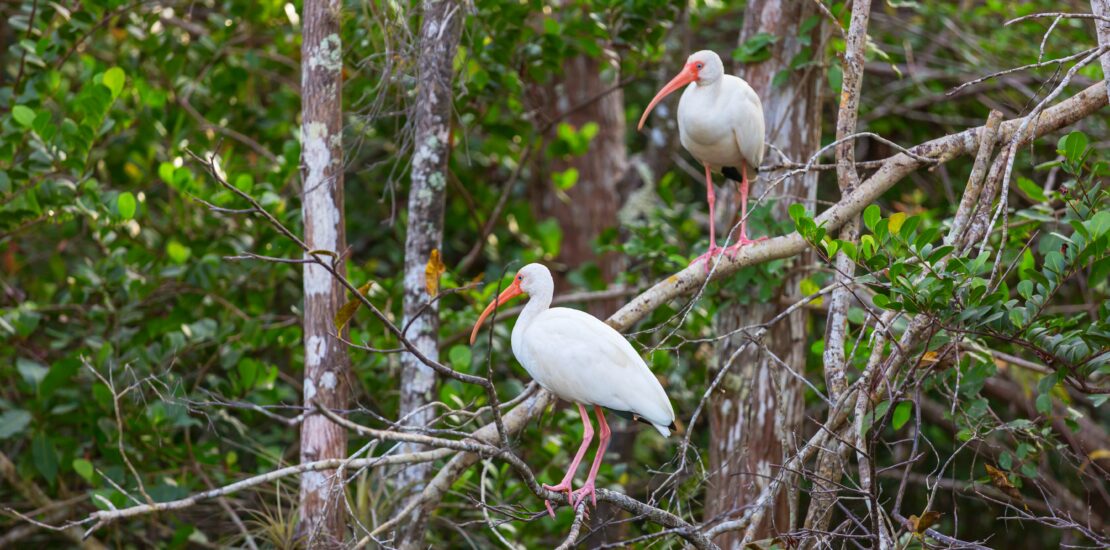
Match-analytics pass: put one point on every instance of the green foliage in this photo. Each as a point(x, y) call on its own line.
point(115, 290)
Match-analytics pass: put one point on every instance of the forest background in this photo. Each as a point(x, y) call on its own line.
point(190, 191)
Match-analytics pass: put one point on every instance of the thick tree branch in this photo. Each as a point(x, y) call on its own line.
point(892, 171)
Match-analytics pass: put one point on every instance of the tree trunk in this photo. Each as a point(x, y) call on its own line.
point(1101, 8)
point(754, 417)
point(591, 205)
point(830, 463)
point(431, 120)
point(323, 521)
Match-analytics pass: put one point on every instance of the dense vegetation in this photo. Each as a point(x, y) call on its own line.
point(147, 358)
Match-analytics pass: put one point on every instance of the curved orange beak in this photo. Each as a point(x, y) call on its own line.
point(508, 294)
point(689, 74)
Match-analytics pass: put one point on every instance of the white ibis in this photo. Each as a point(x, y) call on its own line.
point(720, 122)
point(580, 359)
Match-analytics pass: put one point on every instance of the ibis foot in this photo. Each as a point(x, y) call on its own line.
point(733, 250)
point(709, 256)
point(586, 490)
point(560, 488)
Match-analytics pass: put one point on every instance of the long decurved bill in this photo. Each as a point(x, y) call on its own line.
point(508, 294)
point(685, 77)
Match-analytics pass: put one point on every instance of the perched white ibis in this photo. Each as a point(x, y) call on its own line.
point(580, 359)
point(720, 122)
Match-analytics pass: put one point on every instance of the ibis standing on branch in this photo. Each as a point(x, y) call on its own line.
point(720, 122)
point(580, 359)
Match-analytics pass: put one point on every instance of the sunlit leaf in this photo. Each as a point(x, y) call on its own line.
point(114, 78)
point(125, 204)
point(24, 115)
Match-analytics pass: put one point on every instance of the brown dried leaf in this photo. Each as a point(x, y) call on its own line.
point(927, 520)
point(1002, 481)
point(928, 359)
point(323, 252)
point(348, 310)
point(432, 271)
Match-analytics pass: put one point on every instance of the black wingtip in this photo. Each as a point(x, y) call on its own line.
point(732, 173)
point(672, 427)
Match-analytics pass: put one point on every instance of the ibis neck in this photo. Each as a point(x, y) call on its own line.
point(538, 302)
point(708, 84)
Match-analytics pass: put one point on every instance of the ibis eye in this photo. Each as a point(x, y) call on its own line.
point(520, 277)
point(699, 66)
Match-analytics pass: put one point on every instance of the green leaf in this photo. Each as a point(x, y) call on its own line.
point(1025, 289)
point(1073, 145)
point(248, 373)
point(45, 457)
point(901, 414)
point(125, 204)
point(114, 79)
point(881, 300)
point(1100, 270)
point(566, 179)
point(13, 422)
point(551, 236)
point(59, 375)
point(755, 49)
point(871, 216)
point(796, 211)
point(1044, 403)
point(244, 182)
point(165, 171)
point(31, 371)
point(836, 78)
point(1006, 460)
point(589, 130)
point(1032, 189)
point(84, 468)
point(939, 253)
point(1099, 224)
point(178, 252)
point(460, 357)
point(24, 115)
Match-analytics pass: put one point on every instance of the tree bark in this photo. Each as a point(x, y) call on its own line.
point(431, 121)
point(1101, 8)
point(830, 463)
point(589, 207)
point(326, 366)
point(754, 418)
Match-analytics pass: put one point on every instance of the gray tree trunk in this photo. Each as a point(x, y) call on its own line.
point(431, 121)
point(754, 418)
point(1101, 8)
point(830, 464)
point(326, 366)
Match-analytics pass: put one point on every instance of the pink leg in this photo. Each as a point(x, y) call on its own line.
point(711, 197)
point(588, 488)
point(565, 484)
point(743, 240)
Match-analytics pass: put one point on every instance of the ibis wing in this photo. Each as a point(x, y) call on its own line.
point(581, 359)
point(748, 124)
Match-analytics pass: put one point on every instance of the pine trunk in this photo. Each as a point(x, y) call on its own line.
point(326, 366)
point(754, 418)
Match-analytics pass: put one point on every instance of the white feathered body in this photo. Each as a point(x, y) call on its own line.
point(578, 358)
point(721, 124)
